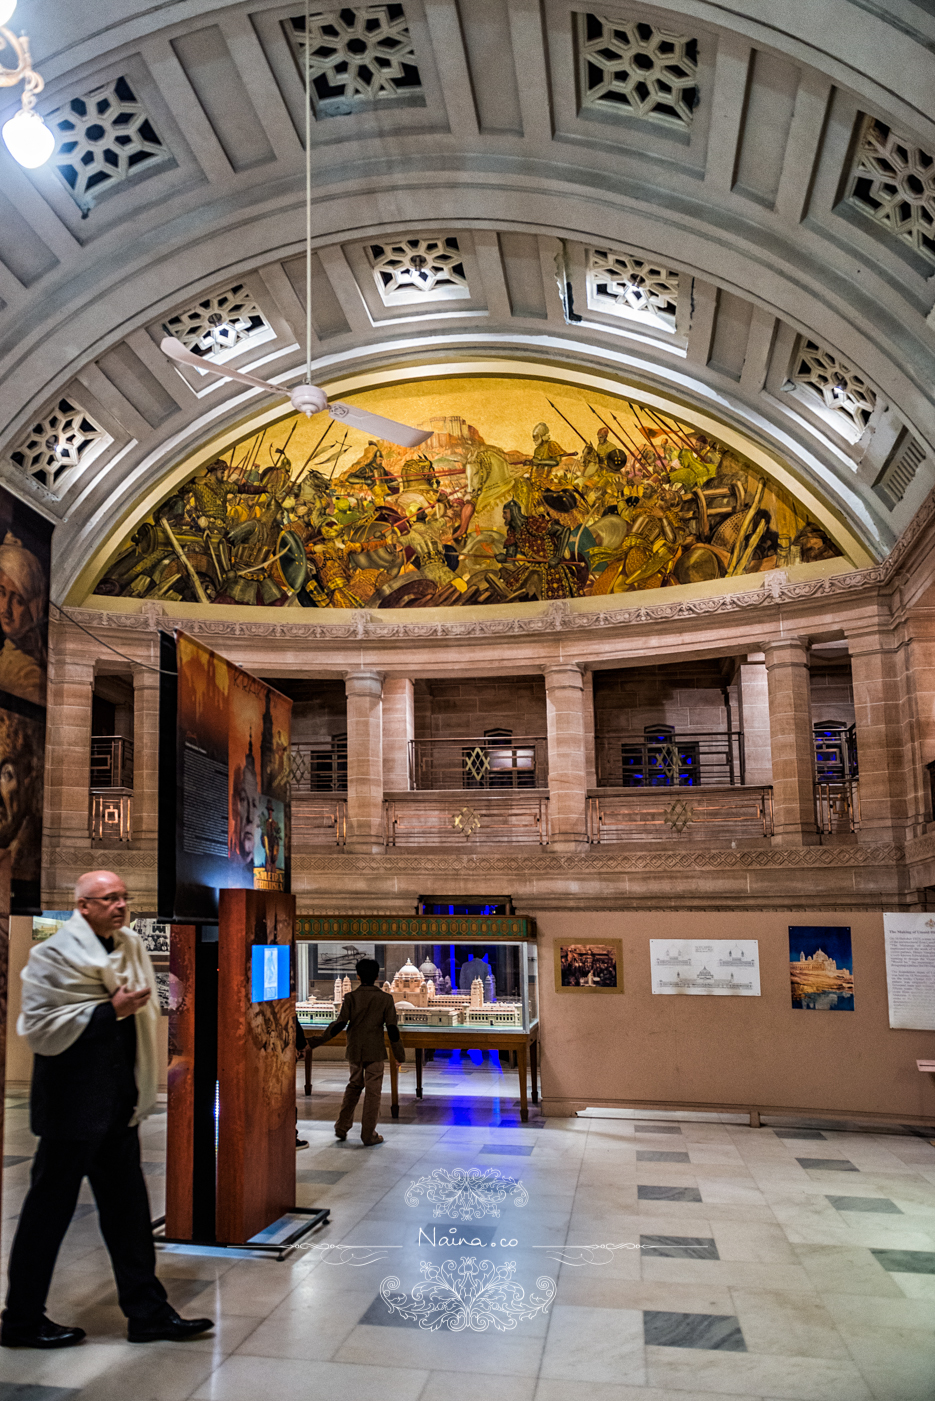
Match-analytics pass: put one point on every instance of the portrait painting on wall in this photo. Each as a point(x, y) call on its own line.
point(821, 967)
point(589, 967)
point(525, 491)
point(25, 555)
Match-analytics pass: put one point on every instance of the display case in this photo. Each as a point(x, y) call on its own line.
point(446, 987)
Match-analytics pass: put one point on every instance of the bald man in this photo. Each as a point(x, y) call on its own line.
point(90, 1016)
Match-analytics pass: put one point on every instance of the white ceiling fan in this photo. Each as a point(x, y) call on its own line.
point(307, 398)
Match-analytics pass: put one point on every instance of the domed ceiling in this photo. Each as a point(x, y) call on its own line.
point(527, 489)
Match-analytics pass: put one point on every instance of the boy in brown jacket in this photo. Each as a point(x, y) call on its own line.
point(365, 1012)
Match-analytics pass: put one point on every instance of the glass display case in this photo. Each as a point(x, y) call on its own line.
point(449, 987)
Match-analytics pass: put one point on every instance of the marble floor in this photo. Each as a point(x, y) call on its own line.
point(475, 1258)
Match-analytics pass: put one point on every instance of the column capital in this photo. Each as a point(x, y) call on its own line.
point(65, 671)
point(875, 637)
point(564, 676)
point(146, 677)
point(785, 651)
point(364, 683)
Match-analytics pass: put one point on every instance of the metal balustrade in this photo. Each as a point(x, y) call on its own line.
point(111, 817)
point(111, 762)
point(319, 768)
point(110, 789)
point(837, 807)
point(663, 757)
point(684, 814)
point(485, 762)
point(458, 819)
point(318, 820)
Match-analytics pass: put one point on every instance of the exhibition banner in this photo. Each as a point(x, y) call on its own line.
point(910, 971)
point(25, 554)
point(224, 781)
point(709, 968)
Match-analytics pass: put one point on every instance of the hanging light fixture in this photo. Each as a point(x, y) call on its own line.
point(28, 139)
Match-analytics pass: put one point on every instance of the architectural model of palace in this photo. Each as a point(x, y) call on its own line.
point(418, 1004)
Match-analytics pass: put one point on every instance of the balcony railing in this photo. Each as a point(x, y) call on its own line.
point(111, 816)
point(837, 807)
point(662, 757)
point(319, 768)
point(488, 762)
point(685, 814)
point(460, 819)
point(111, 762)
point(318, 820)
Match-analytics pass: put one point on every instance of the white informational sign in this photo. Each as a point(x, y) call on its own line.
point(910, 971)
point(707, 968)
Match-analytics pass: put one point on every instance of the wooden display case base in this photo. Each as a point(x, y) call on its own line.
point(524, 1044)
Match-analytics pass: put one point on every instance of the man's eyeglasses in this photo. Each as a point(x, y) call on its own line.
point(114, 899)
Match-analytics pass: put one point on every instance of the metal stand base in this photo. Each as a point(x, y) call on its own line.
point(277, 1250)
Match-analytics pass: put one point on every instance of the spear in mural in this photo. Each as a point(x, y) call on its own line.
point(186, 562)
point(282, 451)
point(337, 457)
point(625, 444)
point(672, 428)
point(634, 447)
point(305, 465)
point(652, 446)
point(569, 422)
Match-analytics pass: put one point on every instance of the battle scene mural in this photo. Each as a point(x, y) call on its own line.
point(526, 490)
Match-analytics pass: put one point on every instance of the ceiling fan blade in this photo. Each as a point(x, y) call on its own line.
point(386, 428)
point(176, 351)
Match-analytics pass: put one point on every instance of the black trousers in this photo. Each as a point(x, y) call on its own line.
point(112, 1166)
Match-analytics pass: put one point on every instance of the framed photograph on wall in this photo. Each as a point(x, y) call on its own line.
point(595, 966)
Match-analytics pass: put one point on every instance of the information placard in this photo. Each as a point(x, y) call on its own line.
point(708, 968)
point(910, 971)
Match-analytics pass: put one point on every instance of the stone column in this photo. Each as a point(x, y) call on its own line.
point(364, 760)
point(754, 719)
point(792, 743)
point(566, 730)
point(398, 730)
point(145, 814)
point(68, 754)
point(877, 678)
point(590, 741)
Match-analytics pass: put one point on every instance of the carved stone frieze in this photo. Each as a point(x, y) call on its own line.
point(557, 617)
point(588, 863)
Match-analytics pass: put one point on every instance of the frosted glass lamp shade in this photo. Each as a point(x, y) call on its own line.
point(28, 139)
point(6, 10)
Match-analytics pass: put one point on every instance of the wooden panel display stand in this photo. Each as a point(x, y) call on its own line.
point(231, 1122)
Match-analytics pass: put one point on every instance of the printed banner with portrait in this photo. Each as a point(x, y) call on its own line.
point(227, 755)
point(25, 553)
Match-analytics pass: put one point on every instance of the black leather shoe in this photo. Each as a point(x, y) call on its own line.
point(166, 1326)
point(45, 1334)
point(300, 1142)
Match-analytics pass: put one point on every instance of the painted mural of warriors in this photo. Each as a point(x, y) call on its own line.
point(546, 456)
point(533, 559)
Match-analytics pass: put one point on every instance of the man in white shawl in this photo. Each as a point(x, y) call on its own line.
point(89, 1014)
